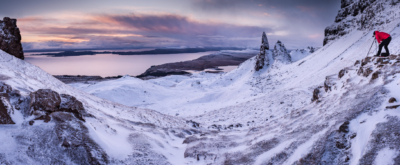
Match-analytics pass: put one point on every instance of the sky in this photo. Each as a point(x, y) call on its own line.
point(105, 24)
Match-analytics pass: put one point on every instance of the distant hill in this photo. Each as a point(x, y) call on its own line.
point(147, 52)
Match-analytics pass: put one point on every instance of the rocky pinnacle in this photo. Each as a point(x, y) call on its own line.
point(10, 38)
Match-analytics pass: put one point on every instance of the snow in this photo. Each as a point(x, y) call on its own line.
point(299, 54)
point(269, 154)
point(267, 97)
point(281, 54)
point(110, 128)
point(305, 148)
point(244, 116)
point(274, 97)
point(386, 156)
point(201, 92)
point(364, 131)
point(114, 142)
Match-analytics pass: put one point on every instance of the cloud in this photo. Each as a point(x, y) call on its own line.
point(299, 18)
point(266, 14)
point(177, 24)
point(134, 30)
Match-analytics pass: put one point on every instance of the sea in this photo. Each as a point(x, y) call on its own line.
point(108, 64)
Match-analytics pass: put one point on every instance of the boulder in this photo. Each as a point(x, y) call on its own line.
point(341, 73)
point(45, 100)
point(315, 94)
point(357, 62)
point(5, 110)
point(5, 106)
point(367, 72)
point(366, 61)
point(375, 75)
point(4, 88)
point(344, 127)
point(71, 104)
point(10, 38)
point(329, 83)
point(392, 100)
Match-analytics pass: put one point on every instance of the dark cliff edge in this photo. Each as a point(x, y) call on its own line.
point(353, 14)
point(10, 38)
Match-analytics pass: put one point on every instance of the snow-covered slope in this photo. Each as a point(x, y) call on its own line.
point(299, 54)
point(111, 133)
point(331, 107)
point(319, 110)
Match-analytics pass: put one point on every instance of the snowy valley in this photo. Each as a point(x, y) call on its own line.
point(332, 105)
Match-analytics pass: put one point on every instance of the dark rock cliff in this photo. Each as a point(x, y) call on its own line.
point(10, 38)
point(361, 15)
point(261, 60)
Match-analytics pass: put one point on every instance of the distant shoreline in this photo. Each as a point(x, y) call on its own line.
point(147, 52)
point(212, 61)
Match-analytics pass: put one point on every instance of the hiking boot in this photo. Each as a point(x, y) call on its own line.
point(385, 54)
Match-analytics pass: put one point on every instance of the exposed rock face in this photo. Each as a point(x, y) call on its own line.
point(315, 94)
point(392, 100)
point(45, 100)
point(5, 110)
point(341, 73)
point(65, 141)
point(356, 14)
point(261, 60)
point(70, 104)
point(281, 54)
point(5, 106)
point(10, 38)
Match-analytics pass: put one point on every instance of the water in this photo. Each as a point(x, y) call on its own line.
point(106, 64)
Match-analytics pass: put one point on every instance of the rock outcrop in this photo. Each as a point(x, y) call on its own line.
point(261, 60)
point(281, 54)
point(45, 101)
point(10, 38)
point(359, 14)
point(5, 110)
point(5, 106)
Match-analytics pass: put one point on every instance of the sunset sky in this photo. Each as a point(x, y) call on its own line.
point(53, 24)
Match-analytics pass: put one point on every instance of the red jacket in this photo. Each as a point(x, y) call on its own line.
point(380, 36)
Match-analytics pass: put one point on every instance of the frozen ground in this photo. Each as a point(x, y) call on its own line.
point(331, 107)
point(268, 116)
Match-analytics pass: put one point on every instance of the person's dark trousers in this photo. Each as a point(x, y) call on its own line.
point(385, 44)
